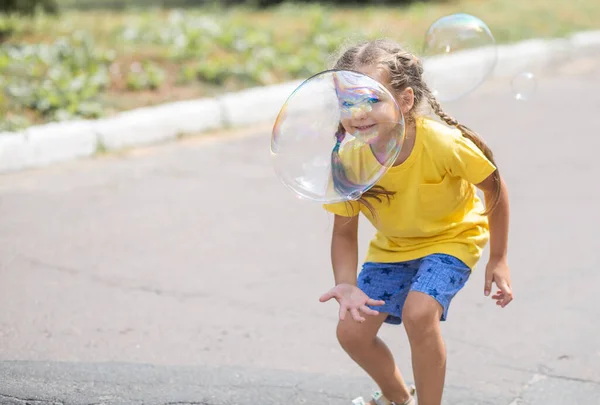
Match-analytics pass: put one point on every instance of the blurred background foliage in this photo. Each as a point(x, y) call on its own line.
point(68, 59)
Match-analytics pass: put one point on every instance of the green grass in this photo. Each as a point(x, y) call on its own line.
point(94, 63)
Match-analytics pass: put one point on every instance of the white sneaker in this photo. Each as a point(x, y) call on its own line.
point(379, 399)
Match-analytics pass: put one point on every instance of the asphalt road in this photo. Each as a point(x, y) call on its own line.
point(187, 273)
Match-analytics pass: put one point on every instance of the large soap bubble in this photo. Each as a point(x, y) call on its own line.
point(459, 54)
point(336, 135)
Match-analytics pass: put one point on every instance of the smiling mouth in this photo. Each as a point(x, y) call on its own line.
point(365, 127)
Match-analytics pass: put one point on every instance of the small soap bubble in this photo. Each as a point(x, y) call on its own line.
point(524, 86)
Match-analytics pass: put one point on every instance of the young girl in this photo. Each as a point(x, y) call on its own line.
point(431, 230)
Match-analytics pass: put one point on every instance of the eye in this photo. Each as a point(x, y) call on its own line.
point(347, 104)
point(373, 100)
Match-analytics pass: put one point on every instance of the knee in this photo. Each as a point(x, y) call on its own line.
point(351, 336)
point(421, 317)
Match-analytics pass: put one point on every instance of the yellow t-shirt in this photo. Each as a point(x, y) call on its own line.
point(435, 208)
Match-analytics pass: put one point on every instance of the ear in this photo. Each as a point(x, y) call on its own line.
point(407, 100)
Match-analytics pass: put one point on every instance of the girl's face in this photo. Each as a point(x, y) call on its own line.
point(372, 114)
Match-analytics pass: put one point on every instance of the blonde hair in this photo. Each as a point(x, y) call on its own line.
point(405, 70)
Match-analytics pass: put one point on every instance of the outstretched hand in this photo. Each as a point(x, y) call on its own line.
point(497, 272)
point(353, 299)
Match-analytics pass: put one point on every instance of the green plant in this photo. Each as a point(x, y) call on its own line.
point(56, 81)
point(144, 76)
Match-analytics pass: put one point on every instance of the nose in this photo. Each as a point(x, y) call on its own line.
point(360, 111)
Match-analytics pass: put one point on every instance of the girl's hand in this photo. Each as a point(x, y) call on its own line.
point(497, 271)
point(351, 298)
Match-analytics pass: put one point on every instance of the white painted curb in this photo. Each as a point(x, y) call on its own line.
point(158, 124)
point(257, 105)
point(46, 144)
point(42, 145)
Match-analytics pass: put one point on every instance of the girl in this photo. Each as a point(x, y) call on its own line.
point(431, 230)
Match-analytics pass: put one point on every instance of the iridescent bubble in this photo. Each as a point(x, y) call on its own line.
point(354, 195)
point(459, 55)
point(524, 86)
point(336, 135)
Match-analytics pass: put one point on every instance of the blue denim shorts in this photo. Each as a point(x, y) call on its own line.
point(440, 276)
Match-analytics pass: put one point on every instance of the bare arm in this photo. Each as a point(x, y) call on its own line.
point(344, 249)
point(498, 220)
point(497, 270)
point(344, 258)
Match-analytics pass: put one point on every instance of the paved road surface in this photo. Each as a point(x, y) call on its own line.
point(187, 274)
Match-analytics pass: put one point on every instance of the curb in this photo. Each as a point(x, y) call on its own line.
point(42, 145)
point(51, 143)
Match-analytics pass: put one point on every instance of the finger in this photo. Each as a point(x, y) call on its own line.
point(487, 287)
point(368, 311)
point(356, 315)
point(343, 311)
point(504, 286)
point(375, 303)
point(327, 296)
point(506, 300)
point(498, 295)
point(506, 291)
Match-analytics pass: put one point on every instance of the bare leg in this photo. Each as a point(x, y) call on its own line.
point(421, 317)
point(361, 343)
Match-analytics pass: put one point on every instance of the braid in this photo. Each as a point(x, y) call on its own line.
point(437, 109)
point(473, 137)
